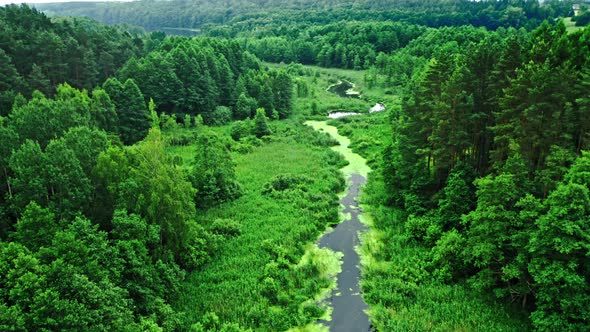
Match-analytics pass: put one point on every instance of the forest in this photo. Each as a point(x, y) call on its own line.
point(151, 180)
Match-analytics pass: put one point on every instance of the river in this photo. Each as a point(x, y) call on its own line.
point(348, 307)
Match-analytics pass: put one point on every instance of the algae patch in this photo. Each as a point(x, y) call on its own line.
point(357, 164)
point(328, 263)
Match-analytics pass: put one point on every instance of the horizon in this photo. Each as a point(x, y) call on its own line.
point(5, 2)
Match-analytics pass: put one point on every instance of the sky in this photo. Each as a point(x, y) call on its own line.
point(5, 2)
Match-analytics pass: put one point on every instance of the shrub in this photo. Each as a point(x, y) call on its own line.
point(240, 129)
point(220, 116)
point(225, 227)
point(283, 182)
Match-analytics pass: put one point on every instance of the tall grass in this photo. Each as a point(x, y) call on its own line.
point(263, 279)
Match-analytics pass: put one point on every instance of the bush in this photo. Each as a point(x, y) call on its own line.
point(221, 115)
point(240, 129)
point(283, 182)
point(416, 227)
point(333, 158)
point(242, 147)
point(226, 227)
point(181, 138)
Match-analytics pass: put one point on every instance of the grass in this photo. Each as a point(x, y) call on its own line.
point(319, 79)
point(368, 135)
point(269, 277)
point(570, 25)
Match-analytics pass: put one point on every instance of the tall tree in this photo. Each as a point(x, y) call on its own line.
point(283, 94)
point(213, 173)
point(102, 111)
point(261, 127)
point(559, 248)
point(134, 117)
point(10, 83)
point(42, 119)
point(160, 193)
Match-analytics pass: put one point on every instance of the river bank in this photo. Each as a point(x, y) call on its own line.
point(348, 309)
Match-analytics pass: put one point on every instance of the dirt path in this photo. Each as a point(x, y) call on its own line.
point(346, 301)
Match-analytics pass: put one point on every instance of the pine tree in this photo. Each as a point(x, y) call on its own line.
point(134, 118)
point(266, 99)
point(283, 94)
point(260, 124)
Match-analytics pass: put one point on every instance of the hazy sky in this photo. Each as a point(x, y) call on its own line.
point(4, 2)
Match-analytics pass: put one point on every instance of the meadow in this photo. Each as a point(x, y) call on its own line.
point(266, 272)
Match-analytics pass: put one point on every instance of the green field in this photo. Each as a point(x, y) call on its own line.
point(571, 25)
point(267, 277)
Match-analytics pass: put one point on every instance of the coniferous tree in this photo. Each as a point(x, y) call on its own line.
point(266, 99)
point(260, 124)
point(283, 94)
point(132, 112)
point(10, 83)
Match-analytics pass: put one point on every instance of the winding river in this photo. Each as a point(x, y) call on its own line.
point(348, 306)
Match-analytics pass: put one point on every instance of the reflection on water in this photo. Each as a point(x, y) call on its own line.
point(344, 89)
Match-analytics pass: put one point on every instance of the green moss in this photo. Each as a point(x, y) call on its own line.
point(329, 264)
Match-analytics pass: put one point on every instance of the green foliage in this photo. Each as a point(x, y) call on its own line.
point(285, 182)
point(36, 227)
point(240, 129)
point(39, 53)
point(213, 174)
point(261, 127)
point(509, 126)
point(225, 227)
point(41, 119)
point(583, 20)
point(221, 115)
point(245, 107)
point(264, 261)
point(134, 117)
point(283, 92)
point(157, 191)
point(69, 188)
point(480, 147)
point(558, 249)
point(102, 111)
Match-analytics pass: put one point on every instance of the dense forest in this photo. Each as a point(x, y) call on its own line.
point(98, 220)
point(155, 182)
point(154, 15)
point(487, 161)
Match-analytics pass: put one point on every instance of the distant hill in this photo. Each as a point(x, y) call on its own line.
point(166, 15)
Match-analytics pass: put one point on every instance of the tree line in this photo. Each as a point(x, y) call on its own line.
point(209, 77)
point(37, 53)
point(155, 15)
point(488, 162)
